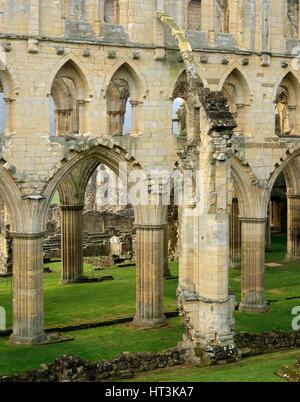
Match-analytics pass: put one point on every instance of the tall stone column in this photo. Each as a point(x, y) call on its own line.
point(150, 270)
point(234, 236)
point(253, 264)
point(28, 301)
point(293, 226)
point(167, 272)
point(72, 243)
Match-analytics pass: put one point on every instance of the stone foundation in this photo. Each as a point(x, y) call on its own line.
point(126, 365)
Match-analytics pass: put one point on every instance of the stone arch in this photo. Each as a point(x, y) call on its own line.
point(125, 90)
point(249, 195)
point(287, 101)
point(237, 91)
point(81, 71)
point(18, 209)
point(182, 76)
point(69, 92)
point(110, 155)
point(137, 78)
point(290, 167)
point(150, 225)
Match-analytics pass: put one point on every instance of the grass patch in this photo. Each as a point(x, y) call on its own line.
point(92, 344)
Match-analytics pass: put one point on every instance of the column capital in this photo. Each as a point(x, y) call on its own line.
point(29, 236)
point(252, 220)
point(72, 207)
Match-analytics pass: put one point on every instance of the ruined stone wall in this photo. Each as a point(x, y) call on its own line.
point(31, 64)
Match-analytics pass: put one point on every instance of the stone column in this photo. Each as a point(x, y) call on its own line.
point(28, 300)
point(293, 226)
point(253, 264)
point(234, 236)
point(150, 270)
point(167, 272)
point(186, 247)
point(72, 243)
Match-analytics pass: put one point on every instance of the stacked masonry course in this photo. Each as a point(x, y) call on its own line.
point(238, 75)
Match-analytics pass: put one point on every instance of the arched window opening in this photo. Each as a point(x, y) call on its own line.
point(179, 117)
point(127, 128)
point(119, 107)
point(124, 103)
point(276, 229)
point(237, 93)
point(67, 104)
point(66, 108)
point(287, 122)
point(292, 20)
point(52, 117)
point(185, 117)
point(112, 12)
point(194, 15)
point(283, 121)
point(222, 16)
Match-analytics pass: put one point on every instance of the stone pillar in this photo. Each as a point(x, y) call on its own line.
point(28, 300)
point(234, 236)
point(72, 243)
point(150, 270)
point(253, 264)
point(186, 247)
point(167, 272)
point(293, 226)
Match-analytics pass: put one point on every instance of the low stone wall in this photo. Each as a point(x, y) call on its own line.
point(256, 344)
point(126, 365)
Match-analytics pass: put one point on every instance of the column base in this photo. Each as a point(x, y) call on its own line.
point(253, 308)
point(150, 324)
point(291, 258)
point(211, 354)
point(21, 340)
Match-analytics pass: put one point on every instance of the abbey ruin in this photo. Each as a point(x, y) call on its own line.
point(206, 86)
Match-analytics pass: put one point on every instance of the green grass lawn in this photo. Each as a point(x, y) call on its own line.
point(255, 369)
point(74, 304)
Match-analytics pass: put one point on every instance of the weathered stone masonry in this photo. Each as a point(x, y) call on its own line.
point(68, 71)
